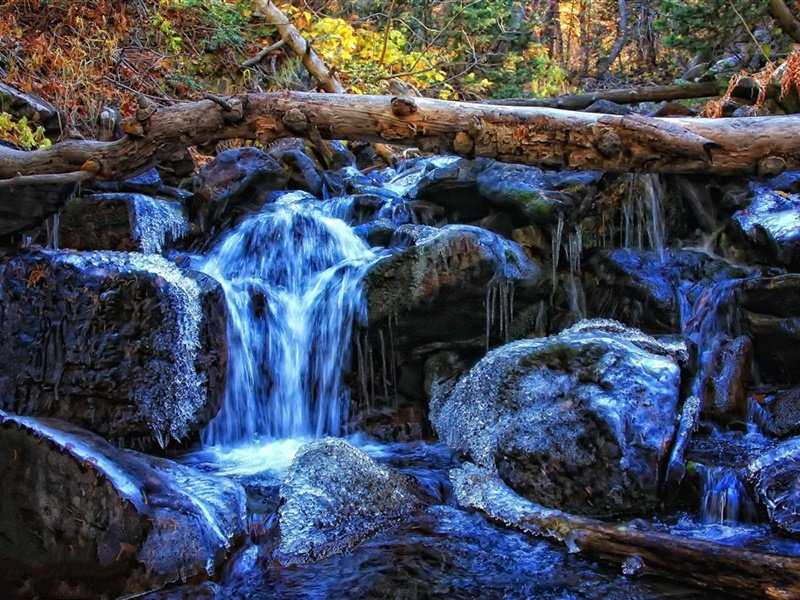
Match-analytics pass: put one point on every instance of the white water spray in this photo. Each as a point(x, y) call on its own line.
point(292, 281)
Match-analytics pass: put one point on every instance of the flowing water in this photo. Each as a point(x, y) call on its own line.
point(292, 281)
point(724, 497)
point(291, 277)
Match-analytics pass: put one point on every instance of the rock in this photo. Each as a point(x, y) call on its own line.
point(442, 371)
point(127, 345)
point(607, 107)
point(25, 207)
point(530, 195)
point(769, 226)
point(775, 476)
point(469, 190)
point(777, 412)
point(580, 421)
point(303, 171)
point(234, 184)
point(334, 496)
point(770, 316)
point(448, 273)
point(642, 290)
point(672, 109)
point(83, 519)
point(149, 183)
point(121, 221)
point(376, 233)
point(341, 156)
point(725, 378)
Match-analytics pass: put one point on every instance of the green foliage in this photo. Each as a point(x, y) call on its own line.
point(708, 26)
point(22, 133)
point(529, 73)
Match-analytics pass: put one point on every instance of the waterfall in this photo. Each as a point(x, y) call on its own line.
point(575, 294)
point(724, 498)
point(292, 282)
point(643, 224)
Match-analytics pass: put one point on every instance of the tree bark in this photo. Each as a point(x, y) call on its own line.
point(550, 138)
point(746, 90)
point(741, 573)
point(604, 64)
point(785, 17)
point(294, 40)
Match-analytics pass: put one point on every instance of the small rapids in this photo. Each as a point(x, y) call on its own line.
point(292, 278)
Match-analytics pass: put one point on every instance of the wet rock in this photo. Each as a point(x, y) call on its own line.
point(448, 273)
point(530, 195)
point(775, 476)
point(469, 190)
point(580, 421)
point(769, 226)
point(770, 315)
point(334, 496)
point(234, 184)
point(442, 371)
point(777, 412)
point(121, 221)
point(645, 289)
point(376, 233)
point(83, 519)
point(303, 171)
point(127, 345)
point(148, 183)
point(724, 387)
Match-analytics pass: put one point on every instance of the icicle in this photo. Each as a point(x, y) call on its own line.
point(392, 355)
point(384, 371)
point(555, 241)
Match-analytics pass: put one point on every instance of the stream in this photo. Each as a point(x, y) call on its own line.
point(292, 280)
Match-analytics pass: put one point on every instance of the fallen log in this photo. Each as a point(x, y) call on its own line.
point(705, 564)
point(656, 93)
point(549, 138)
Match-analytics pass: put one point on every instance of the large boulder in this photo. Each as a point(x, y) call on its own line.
point(530, 195)
point(580, 421)
point(470, 189)
point(121, 221)
point(775, 476)
point(449, 273)
point(235, 183)
point(127, 345)
point(334, 496)
point(82, 519)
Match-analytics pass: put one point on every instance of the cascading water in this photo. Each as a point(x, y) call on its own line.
point(643, 223)
point(724, 497)
point(292, 278)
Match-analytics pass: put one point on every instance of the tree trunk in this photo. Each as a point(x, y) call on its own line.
point(746, 90)
point(785, 17)
point(604, 64)
point(294, 40)
point(549, 138)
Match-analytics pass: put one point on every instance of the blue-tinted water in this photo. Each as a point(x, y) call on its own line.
point(292, 278)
